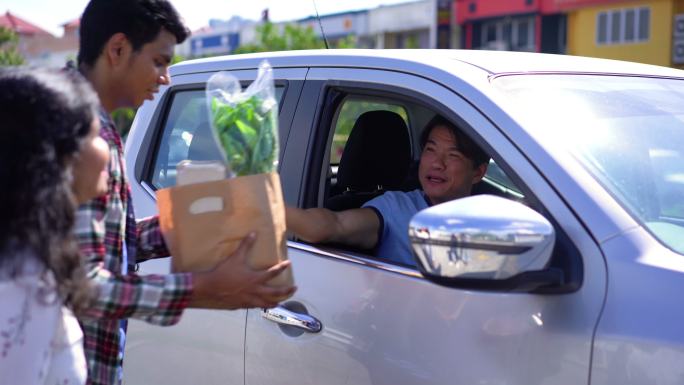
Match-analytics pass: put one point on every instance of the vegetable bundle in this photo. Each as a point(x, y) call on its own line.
point(245, 122)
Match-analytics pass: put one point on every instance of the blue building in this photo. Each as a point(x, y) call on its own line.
point(220, 38)
point(214, 43)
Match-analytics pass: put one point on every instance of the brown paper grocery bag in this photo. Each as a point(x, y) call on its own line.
point(203, 223)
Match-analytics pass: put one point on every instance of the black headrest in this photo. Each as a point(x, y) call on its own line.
point(377, 153)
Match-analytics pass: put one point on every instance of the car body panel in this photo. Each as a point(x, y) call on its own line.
point(424, 61)
point(639, 339)
point(384, 323)
point(481, 332)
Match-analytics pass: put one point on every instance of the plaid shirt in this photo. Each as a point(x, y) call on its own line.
point(101, 226)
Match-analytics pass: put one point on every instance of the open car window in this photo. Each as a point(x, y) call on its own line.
point(346, 118)
point(373, 148)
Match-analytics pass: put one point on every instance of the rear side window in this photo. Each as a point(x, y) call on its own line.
point(186, 135)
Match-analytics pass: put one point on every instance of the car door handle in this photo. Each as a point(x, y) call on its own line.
point(286, 317)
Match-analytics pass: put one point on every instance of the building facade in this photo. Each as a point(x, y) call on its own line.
point(412, 24)
point(39, 47)
point(512, 25)
point(340, 26)
point(219, 38)
point(650, 31)
point(646, 31)
point(403, 25)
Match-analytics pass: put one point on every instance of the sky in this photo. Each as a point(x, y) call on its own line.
point(51, 14)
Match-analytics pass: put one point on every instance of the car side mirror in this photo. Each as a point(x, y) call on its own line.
point(484, 242)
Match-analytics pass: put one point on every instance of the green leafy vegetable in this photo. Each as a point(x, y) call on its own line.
point(246, 130)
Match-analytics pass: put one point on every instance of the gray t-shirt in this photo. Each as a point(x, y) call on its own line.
point(395, 210)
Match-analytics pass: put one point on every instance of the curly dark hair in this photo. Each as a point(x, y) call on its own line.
point(44, 117)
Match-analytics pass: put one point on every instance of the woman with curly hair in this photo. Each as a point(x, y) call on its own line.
point(51, 160)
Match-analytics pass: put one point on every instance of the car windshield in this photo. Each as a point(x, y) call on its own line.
point(627, 131)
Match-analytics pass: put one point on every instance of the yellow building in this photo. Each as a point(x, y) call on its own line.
point(639, 31)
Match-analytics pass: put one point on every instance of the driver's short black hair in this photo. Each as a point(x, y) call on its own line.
point(140, 20)
point(466, 145)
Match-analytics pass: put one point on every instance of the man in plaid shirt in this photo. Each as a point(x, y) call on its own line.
point(125, 49)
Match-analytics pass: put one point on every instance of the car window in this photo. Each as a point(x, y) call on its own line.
point(383, 155)
point(498, 178)
point(347, 116)
point(186, 135)
point(626, 131)
point(354, 107)
point(349, 112)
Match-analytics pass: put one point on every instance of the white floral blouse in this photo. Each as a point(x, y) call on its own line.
point(41, 341)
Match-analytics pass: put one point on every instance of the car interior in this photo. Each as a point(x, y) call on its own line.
point(380, 152)
point(376, 158)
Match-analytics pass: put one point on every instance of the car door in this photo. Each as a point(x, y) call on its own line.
point(206, 346)
point(382, 323)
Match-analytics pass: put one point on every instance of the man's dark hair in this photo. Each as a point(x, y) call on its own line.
point(140, 20)
point(465, 144)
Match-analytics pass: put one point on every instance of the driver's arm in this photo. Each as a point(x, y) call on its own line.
point(355, 227)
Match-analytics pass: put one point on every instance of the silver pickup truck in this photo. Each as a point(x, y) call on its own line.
point(590, 150)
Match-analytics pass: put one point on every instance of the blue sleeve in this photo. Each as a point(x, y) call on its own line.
point(382, 205)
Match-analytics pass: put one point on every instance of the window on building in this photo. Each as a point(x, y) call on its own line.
point(630, 24)
point(515, 34)
point(615, 21)
point(623, 26)
point(644, 23)
point(524, 36)
point(490, 33)
point(602, 28)
point(507, 32)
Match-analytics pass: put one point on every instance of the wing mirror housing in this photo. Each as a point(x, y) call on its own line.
point(484, 242)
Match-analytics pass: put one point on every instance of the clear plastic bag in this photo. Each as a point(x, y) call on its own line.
point(204, 218)
point(245, 123)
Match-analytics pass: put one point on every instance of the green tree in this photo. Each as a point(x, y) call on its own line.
point(412, 42)
point(177, 59)
point(123, 119)
point(8, 48)
point(293, 37)
point(351, 41)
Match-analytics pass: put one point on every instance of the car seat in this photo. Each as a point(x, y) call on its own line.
point(376, 159)
point(203, 146)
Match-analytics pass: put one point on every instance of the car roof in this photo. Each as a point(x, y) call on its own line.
point(426, 61)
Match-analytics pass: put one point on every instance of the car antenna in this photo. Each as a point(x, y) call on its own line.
point(325, 40)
